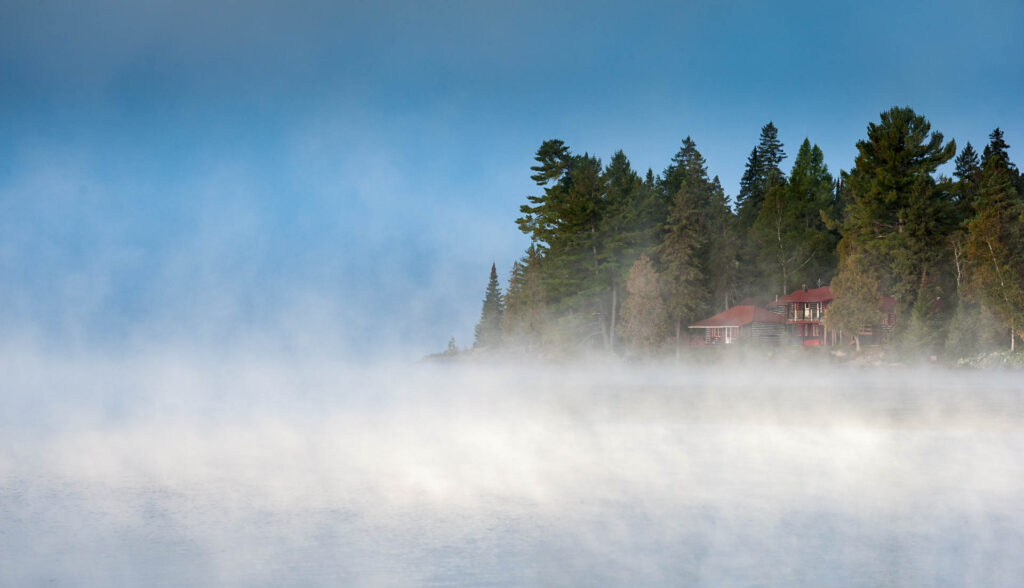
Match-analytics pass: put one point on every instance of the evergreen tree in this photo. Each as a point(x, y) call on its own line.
point(748, 201)
point(698, 207)
point(997, 149)
point(682, 282)
point(488, 330)
point(771, 154)
point(896, 213)
point(856, 293)
point(967, 173)
point(643, 312)
point(995, 239)
point(793, 243)
point(524, 317)
point(967, 164)
point(582, 226)
point(761, 175)
point(927, 327)
point(625, 229)
point(762, 172)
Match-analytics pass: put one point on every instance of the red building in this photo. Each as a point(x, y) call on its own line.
point(804, 311)
point(797, 317)
point(742, 323)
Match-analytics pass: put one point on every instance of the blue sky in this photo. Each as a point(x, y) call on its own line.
point(343, 175)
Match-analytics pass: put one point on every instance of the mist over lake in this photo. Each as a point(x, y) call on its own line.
point(172, 469)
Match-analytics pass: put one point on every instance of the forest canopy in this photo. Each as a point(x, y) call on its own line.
point(624, 261)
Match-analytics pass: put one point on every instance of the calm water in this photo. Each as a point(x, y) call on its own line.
point(180, 472)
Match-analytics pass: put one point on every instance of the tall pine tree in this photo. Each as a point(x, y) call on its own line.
point(793, 244)
point(488, 330)
point(897, 215)
point(995, 239)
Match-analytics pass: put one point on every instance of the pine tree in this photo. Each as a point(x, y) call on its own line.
point(896, 214)
point(771, 154)
point(967, 164)
point(995, 239)
point(793, 243)
point(682, 283)
point(624, 230)
point(643, 312)
point(699, 205)
point(524, 317)
point(967, 173)
point(761, 175)
point(751, 195)
point(488, 330)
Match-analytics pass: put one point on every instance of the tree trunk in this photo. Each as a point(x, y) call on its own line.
point(856, 340)
point(611, 337)
point(679, 323)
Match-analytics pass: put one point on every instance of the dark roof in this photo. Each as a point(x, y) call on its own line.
point(822, 294)
point(739, 316)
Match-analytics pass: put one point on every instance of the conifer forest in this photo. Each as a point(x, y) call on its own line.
point(622, 260)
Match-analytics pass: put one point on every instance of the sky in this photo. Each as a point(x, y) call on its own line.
point(337, 175)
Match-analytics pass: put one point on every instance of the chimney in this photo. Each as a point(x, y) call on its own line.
point(804, 287)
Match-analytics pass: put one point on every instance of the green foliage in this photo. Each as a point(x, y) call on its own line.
point(926, 332)
point(696, 256)
point(856, 293)
point(525, 314)
point(751, 194)
point(792, 243)
point(643, 312)
point(762, 173)
point(965, 191)
point(897, 215)
point(602, 235)
point(973, 330)
point(995, 239)
point(761, 177)
point(488, 330)
point(589, 224)
point(770, 151)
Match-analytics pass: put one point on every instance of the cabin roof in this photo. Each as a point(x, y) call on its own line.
point(822, 294)
point(739, 316)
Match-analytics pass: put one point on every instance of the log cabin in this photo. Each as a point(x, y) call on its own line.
point(742, 323)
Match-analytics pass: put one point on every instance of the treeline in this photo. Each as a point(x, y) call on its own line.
point(625, 262)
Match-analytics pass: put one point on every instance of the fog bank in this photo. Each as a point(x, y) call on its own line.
point(175, 469)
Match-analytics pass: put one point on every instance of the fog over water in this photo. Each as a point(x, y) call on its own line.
point(176, 469)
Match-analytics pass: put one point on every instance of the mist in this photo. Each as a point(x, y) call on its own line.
point(165, 467)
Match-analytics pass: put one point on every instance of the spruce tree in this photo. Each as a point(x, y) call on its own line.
point(967, 164)
point(698, 206)
point(967, 173)
point(995, 239)
point(771, 154)
point(751, 194)
point(792, 242)
point(488, 330)
point(683, 287)
point(524, 317)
